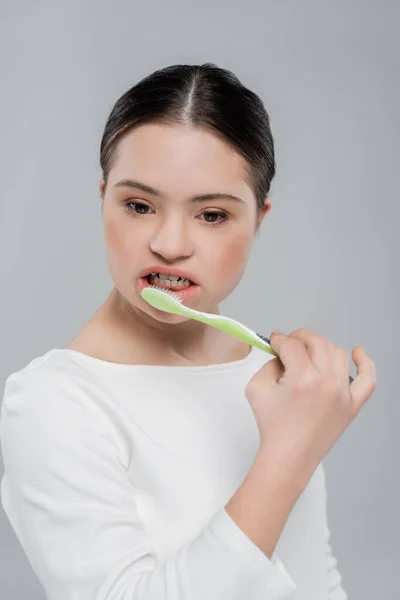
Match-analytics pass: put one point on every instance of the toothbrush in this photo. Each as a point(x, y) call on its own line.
point(168, 301)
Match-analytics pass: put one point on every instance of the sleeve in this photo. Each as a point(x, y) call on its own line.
point(335, 589)
point(66, 493)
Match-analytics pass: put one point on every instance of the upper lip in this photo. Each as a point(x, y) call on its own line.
point(170, 270)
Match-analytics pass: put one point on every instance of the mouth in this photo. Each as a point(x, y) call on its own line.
point(169, 284)
point(178, 275)
point(186, 292)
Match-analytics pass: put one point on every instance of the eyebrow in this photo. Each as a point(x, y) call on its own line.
point(130, 183)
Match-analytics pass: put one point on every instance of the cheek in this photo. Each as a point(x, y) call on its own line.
point(120, 246)
point(119, 238)
point(233, 257)
point(111, 236)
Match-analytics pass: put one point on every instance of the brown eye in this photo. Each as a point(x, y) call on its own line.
point(129, 205)
point(222, 217)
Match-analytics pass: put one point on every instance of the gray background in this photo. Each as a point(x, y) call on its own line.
point(328, 254)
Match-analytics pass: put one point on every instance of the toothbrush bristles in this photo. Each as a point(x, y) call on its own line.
point(170, 292)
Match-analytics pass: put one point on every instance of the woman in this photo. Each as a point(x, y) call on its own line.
point(152, 458)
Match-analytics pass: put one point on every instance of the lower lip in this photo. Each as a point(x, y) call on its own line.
point(185, 294)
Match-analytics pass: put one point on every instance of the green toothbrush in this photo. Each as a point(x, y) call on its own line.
point(168, 301)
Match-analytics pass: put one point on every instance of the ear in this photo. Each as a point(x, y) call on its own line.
point(102, 187)
point(267, 207)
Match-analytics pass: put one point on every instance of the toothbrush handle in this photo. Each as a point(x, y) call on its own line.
point(351, 379)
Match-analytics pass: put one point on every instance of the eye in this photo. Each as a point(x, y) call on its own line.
point(223, 216)
point(131, 210)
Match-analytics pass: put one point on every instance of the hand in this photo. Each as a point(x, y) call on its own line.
point(302, 400)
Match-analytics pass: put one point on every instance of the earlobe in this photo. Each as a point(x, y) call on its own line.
point(266, 208)
point(101, 187)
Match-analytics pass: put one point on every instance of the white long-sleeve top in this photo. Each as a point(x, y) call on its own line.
point(116, 478)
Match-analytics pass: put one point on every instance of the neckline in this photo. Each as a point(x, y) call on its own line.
point(105, 364)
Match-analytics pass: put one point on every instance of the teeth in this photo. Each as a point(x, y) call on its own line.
point(164, 276)
point(170, 282)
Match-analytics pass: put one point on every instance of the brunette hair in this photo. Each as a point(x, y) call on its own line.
point(199, 96)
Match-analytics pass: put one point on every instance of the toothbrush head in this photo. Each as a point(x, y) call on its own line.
point(163, 299)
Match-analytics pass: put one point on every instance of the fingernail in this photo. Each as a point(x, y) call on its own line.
point(277, 331)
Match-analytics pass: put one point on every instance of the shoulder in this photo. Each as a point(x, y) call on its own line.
point(52, 389)
point(53, 370)
point(52, 405)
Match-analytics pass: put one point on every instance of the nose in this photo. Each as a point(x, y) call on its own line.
point(172, 239)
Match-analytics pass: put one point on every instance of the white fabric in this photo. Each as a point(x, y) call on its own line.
point(116, 478)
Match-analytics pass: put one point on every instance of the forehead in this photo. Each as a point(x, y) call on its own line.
point(160, 154)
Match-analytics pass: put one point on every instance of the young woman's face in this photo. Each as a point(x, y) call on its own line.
point(168, 229)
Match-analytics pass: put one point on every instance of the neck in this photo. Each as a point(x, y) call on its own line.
point(190, 341)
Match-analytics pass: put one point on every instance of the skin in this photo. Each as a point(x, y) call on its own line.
point(179, 161)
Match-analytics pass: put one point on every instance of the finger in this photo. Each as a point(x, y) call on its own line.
point(292, 353)
point(320, 349)
point(365, 383)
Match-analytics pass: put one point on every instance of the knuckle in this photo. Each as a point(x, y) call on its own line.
point(301, 334)
point(327, 343)
point(341, 351)
point(296, 342)
point(305, 381)
point(342, 356)
point(301, 330)
point(291, 342)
